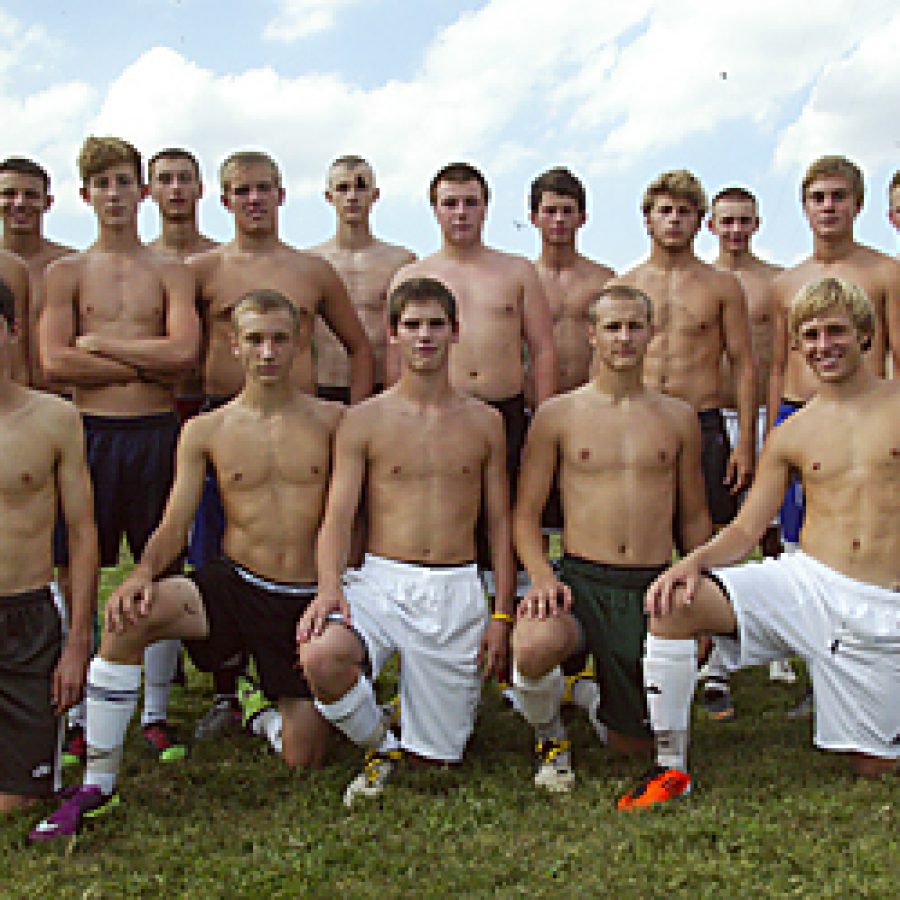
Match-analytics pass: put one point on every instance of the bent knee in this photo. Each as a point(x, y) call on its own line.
point(303, 757)
point(538, 647)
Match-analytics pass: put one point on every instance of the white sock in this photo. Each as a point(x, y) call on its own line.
point(790, 546)
point(112, 695)
point(670, 675)
point(357, 715)
point(267, 724)
point(539, 698)
point(160, 660)
point(585, 694)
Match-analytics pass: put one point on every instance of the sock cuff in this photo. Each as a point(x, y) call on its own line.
point(520, 680)
point(121, 676)
point(670, 648)
point(352, 700)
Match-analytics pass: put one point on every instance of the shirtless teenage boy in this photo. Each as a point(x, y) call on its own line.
point(832, 196)
point(501, 303)
point(366, 266)
point(699, 312)
point(427, 454)
point(836, 600)
point(271, 451)
point(42, 662)
point(119, 325)
point(629, 462)
point(24, 198)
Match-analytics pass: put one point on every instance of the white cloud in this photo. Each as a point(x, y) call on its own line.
point(297, 19)
point(853, 108)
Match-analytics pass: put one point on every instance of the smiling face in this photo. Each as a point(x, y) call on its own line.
point(734, 222)
point(460, 209)
point(23, 202)
point(831, 344)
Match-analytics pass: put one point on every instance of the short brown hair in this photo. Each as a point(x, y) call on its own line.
point(246, 158)
point(458, 173)
point(680, 184)
point(839, 166)
point(831, 294)
point(625, 291)
point(419, 290)
point(23, 166)
point(265, 300)
point(174, 153)
point(97, 154)
point(558, 180)
point(734, 193)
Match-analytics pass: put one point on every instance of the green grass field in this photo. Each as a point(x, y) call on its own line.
point(770, 816)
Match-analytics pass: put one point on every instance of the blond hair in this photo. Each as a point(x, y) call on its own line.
point(98, 154)
point(827, 295)
point(245, 158)
point(680, 184)
point(838, 166)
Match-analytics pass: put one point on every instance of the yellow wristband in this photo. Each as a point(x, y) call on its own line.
point(503, 617)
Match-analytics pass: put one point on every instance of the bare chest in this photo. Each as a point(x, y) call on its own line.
point(620, 441)
point(26, 463)
point(121, 292)
point(683, 305)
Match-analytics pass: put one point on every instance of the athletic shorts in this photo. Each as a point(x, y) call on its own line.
point(434, 617)
point(515, 426)
point(132, 463)
point(794, 508)
point(714, 453)
point(341, 393)
point(847, 631)
point(733, 430)
point(247, 612)
point(608, 604)
point(32, 626)
point(205, 540)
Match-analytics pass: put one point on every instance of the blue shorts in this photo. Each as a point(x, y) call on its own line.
point(132, 464)
point(205, 542)
point(793, 508)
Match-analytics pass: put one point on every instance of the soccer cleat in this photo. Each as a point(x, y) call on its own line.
point(716, 700)
point(252, 701)
point(75, 748)
point(223, 716)
point(781, 670)
point(159, 739)
point(657, 786)
point(553, 765)
point(371, 780)
point(80, 802)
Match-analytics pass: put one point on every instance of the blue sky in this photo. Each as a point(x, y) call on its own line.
point(618, 91)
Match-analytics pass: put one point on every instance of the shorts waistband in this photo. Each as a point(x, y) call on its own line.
point(129, 423)
point(23, 598)
point(710, 418)
point(792, 404)
point(509, 406)
point(404, 566)
point(616, 576)
point(275, 587)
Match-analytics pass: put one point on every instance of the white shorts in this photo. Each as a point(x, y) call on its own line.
point(435, 619)
point(734, 432)
point(848, 632)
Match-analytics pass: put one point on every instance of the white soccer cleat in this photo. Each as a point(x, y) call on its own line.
point(370, 783)
point(553, 760)
point(781, 670)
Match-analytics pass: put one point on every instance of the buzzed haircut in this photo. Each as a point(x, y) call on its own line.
point(247, 158)
point(265, 300)
point(420, 290)
point(458, 173)
point(829, 294)
point(174, 153)
point(839, 166)
point(680, 184)
point(624, 291)
point(21, 165)
point(97, 154)
point(351, 162)
point(7, 305)
point(558, 180)
point(735, 193)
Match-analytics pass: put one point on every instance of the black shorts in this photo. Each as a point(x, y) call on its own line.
point(132, 464)
point(714, 453)
point(608, 603)
point(515, 425)
point(341, 393)
point(552, 517)
point(247, 612)
point(31, 635)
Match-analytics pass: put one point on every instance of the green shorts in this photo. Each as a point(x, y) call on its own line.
point(608, 603)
